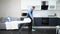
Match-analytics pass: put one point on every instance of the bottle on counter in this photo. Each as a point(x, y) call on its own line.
point(9, 19)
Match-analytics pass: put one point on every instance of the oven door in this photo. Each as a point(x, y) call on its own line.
point(45, 21)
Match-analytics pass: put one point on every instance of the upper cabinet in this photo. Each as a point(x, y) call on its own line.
point(26, 4)
point(52, 5)
point(39, 4)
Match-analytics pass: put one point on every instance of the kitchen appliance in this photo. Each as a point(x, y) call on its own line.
point(45, 21)
point(44, 6)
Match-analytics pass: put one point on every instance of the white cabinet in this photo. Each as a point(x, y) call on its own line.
point(25, 4)
point(52, 5)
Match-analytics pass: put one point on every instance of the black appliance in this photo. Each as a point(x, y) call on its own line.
point(45, 21)
point(24, 14)
point(44, 6)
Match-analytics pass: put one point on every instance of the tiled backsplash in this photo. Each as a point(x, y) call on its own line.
point(46, 13)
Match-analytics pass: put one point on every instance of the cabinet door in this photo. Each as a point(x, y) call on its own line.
point(58, 23)
point(38, 21)
point(45, 21)
point(53, 21)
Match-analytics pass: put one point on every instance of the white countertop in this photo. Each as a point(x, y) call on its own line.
point(49, 14)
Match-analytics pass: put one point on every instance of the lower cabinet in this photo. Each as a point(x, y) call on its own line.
point(46, 21)
point(37, 21)
point(53, 21)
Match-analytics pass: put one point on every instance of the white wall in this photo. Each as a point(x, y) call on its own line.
point(58, 5)
point(10, 8)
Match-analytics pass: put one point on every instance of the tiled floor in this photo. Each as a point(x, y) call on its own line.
point(45, 31)
point(42, 31)
point(25, 31)
point(9, 32)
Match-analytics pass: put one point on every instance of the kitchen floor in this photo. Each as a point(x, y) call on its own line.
point(45, 31)
point(25, 31)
